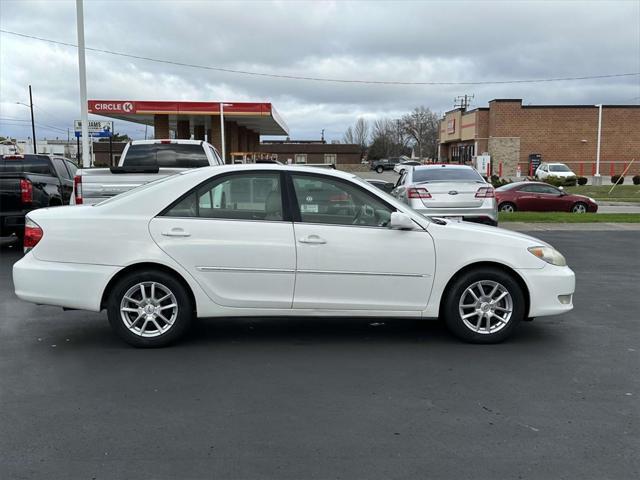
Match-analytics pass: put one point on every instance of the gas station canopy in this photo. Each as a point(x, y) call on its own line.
point(261, 118)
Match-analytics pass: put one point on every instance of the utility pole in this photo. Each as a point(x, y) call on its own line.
point(33, 124)
point(322, 136)
point(463, 101)
point(84, 111)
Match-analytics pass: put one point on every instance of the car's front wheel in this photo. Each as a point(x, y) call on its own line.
point(149, 308)
point(579, 207)
point(484, 306)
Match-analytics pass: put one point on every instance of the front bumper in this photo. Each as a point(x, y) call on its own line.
point(70, 285)
point(551, 289)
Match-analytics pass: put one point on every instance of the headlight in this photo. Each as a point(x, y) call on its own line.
point(549, 255)
point(592, 200)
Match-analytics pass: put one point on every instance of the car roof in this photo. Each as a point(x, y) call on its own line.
point(167, 140)
point(442, 165)
point(278, 167)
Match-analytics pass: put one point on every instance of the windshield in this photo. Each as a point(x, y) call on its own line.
point(559, 168)
point(444, 174)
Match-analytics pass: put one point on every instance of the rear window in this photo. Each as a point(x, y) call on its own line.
point(166, 155)
point(444, 174)
point(39, 164)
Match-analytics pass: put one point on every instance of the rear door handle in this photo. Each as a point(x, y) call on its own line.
point(176, 232)
point(312, 239)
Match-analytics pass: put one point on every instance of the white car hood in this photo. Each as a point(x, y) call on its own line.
point(467, 243)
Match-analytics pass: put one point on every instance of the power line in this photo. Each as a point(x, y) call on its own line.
point(38, 124)
point(319, 79)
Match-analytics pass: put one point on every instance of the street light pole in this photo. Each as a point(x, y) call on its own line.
point(33, 124)
point(84, 111)
point(597, 180)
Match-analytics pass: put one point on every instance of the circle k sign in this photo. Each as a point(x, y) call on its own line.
point(101, 106)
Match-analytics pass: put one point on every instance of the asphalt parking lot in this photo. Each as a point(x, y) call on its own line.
point(332, 398)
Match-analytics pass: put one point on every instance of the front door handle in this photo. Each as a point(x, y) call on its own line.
point(312, 239)
point(176, 232)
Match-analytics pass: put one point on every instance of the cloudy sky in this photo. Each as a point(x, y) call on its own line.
point(428, 41)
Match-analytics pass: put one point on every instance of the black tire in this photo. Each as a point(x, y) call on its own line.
point(507, 207)
point(183, 316)
point(379, 169)
point(578, 207)
point(450, 307)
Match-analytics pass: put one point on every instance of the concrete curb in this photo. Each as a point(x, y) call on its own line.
point(582, 227)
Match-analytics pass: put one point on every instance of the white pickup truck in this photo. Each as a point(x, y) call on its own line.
point(142, 161)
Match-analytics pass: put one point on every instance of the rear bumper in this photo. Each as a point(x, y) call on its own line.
point(70, 285)
point(551, 290)
point(484, 214)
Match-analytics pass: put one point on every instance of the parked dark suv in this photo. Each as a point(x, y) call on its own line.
point(385, 164)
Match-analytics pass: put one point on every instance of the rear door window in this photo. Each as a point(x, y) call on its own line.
point(241, 196)
point(61, 170)
point(71, 167)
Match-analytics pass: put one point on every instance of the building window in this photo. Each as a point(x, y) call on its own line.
point(330, 158)
point(301, 158)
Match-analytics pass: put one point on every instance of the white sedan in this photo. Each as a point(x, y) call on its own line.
point(271, 240)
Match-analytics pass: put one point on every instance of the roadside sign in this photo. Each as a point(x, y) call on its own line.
point(97, 128)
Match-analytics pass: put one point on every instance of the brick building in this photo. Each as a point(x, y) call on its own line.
point(312, 152)
point(510, 132)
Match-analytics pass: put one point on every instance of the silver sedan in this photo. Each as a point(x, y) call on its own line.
point(447, 190)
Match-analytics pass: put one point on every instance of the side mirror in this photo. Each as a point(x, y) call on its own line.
point(401, 221)
point(561, 188)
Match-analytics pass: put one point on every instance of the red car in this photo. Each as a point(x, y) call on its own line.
point(541, 197)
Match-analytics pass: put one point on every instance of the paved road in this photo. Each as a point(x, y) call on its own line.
point(339, 399)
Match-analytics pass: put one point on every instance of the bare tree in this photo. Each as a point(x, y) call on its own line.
point(421, 125)
point(348, 136)
point(361, 135)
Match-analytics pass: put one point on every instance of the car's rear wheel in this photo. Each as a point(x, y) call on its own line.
point(379, 169)
point(507, 207)
point(579, 207)
point(484, 306)
point(149, 308)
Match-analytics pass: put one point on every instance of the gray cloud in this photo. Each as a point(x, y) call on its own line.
point(411, 41)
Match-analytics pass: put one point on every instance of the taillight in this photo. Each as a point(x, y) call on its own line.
point(418, 193)
point(77, 186)
point(26, 190)
point(485, 192)
point(32, 234)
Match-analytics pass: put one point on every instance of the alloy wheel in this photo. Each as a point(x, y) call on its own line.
point(148, 309)
point(579, 208)
point(507, 207)
point(485, 307)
